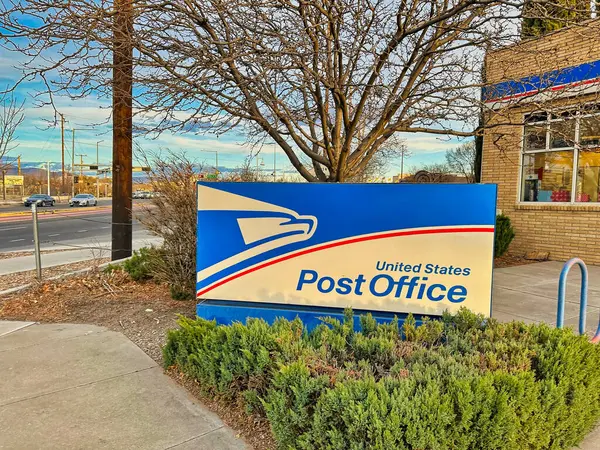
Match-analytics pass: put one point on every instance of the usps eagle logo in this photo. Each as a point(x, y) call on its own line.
point(263, 226)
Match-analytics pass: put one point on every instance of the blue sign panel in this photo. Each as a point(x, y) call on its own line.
point(269, 249)
point(564, 82)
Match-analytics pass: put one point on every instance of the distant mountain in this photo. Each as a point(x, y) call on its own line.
point(40, 168)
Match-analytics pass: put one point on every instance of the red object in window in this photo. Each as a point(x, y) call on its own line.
point(540, 173)
point(583, 197)
point(561, 196)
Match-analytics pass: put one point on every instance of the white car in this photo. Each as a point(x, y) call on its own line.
point(83, 200)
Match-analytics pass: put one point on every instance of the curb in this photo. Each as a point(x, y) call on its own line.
point(25, 287)
point(51, 212)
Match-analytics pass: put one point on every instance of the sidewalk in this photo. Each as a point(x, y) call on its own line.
point(100, 250)
point(82, 386)
point(530, 293)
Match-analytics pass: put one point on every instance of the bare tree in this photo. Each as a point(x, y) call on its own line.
point(246, 171)
point(11, 116)
point(380, 164)
point(329, 81)
point(461, 160)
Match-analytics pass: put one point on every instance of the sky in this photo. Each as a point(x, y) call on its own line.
point(39, 136)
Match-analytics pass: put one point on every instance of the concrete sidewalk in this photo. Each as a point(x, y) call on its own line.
point(99, 250)
point(530, 293)
point(82, 386)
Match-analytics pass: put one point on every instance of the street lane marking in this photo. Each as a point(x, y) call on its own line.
point(52, 235)
point(103, 228)
point(17, 240)
point(12, 228)
point(82, 231)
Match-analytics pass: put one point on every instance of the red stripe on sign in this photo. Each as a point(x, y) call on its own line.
point(511, 97)
point(339, 244)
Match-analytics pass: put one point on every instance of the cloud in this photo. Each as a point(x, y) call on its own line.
point(419, 143)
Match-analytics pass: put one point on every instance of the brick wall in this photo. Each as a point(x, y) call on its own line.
point(563, 230)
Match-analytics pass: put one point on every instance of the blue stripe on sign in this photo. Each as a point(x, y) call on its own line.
point(532, 84)
point(226, 312)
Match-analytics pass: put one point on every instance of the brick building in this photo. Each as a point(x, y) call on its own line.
point(542, 146)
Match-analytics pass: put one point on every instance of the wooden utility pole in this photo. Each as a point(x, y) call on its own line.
point(62, 135)
point(122, 129)
point(73, 165)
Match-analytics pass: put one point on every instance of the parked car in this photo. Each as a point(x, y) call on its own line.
point(39, 199)
point(142, 194)
point(83, 200)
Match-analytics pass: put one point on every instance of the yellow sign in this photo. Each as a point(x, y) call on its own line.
point(12, 180)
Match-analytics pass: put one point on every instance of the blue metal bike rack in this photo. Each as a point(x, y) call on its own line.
point(562, 289)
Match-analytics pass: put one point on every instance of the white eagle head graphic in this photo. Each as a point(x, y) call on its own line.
point(263, 226)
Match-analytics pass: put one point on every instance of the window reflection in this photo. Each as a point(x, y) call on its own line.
point(535, 137)
point(562, 134)
point(588, 175)
point(589, 131)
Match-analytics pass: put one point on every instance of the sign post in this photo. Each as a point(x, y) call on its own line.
point(311, 250)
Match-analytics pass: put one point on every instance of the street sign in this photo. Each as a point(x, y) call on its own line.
point(12, 180)
point(314, 249)
point(141, 169)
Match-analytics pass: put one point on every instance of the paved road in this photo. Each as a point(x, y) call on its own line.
point(84, 229)
point(58, 206)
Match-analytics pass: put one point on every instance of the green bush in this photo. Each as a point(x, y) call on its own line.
point(504, 235)
point(460, 383)
point(179, 293)
point(110, 268)
point(139, 266)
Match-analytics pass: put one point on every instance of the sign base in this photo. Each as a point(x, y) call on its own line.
point(227, 312)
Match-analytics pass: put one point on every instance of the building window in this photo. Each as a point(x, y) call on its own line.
point(561, 157)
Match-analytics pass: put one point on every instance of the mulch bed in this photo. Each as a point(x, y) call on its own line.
point(142, 311)
point(16, 279)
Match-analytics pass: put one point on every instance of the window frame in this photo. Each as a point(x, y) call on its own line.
point(551, 117)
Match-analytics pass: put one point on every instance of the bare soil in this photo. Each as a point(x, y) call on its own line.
point(511, 260)
point(144, 312)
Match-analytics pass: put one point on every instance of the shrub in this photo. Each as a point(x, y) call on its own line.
point(460, 383)
point(139, 266)
point(172, 216)
point(110, 268)
point(504, 235)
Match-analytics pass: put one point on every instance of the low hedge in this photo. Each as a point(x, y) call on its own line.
point(459, 383)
